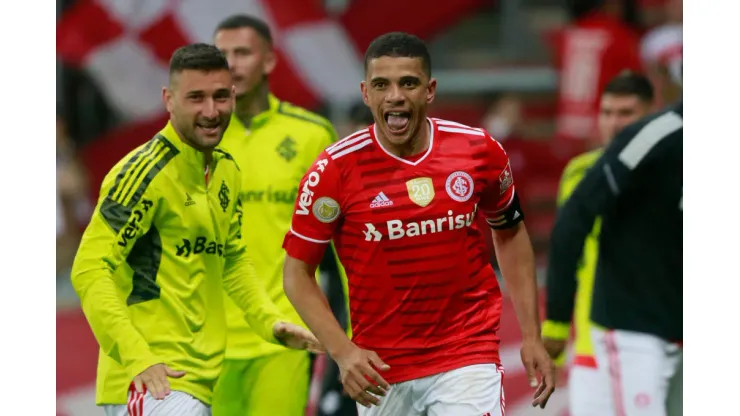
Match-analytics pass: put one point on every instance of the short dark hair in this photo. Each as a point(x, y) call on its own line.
point(197, 56)
point(238, 21)
point(360, 114)
point(631, 83)
point(399, 45)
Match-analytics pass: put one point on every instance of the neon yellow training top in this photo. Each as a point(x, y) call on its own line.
point(274, 153)
point(160, 249)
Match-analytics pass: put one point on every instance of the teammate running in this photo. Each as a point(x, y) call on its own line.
point(627, 98)
point(162, 245)
point(399, 200)
point(274, 144)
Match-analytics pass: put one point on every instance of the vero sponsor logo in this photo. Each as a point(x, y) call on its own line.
point(305, 200)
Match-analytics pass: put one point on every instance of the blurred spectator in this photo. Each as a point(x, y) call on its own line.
point(72, 199)
point(600, 42)
point(662, 52)
point(503, 116)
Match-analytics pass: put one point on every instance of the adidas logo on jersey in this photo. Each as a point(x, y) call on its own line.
point(381, 201)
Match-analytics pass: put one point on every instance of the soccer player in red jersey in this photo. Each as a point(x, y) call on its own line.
point(399, 199)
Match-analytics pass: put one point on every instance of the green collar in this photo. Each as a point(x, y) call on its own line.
point(189, 153)
point(262, 118)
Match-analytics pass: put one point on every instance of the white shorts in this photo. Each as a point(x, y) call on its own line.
point(641, 372)
point(176, 403)
point(475, 390)
point(586, 395)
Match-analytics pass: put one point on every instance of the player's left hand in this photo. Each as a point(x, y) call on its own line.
point(296, 337)
point(536, 360)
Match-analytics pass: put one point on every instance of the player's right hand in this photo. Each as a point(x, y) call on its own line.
point(357, 369)
point(155, 378)
point(296, 337)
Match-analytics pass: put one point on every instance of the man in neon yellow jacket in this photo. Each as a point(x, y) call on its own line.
point(164, 242)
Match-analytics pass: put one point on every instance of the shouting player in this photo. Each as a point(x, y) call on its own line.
point(399, 199)
point(274, 144)
point(626, 99)
point(163, 243)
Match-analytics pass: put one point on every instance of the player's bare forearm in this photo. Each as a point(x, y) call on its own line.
point(516, 260)
point(304, 293)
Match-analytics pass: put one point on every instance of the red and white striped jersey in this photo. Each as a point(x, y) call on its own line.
point(423, 294)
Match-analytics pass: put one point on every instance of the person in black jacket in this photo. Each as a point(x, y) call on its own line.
point(636, 188)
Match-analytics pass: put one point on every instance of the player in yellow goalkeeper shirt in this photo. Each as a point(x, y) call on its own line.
point(627, 98)
point(162, 245)
point(274, 143)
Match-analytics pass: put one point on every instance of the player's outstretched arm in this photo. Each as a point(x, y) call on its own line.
point(355, 364)
point(311, 304)
point(116, 225)
point(241, 283)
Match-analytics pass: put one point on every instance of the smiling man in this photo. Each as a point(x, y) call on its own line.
point(163, 244)
point(399, 199)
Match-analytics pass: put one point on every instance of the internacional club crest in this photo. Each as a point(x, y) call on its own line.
point(223, 196)
point(459, 186)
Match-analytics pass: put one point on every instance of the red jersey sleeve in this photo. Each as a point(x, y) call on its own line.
point(317, 212)
point(499, 202)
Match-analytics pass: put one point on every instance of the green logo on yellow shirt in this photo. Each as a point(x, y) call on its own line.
point(270, 195)
point(197, 246)
point(223, 196)
point(286, 149)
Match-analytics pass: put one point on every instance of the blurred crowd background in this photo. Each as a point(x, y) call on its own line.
point(529, 71)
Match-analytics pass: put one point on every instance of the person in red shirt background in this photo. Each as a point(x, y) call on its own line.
point(602, 41)
point(662, 53)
